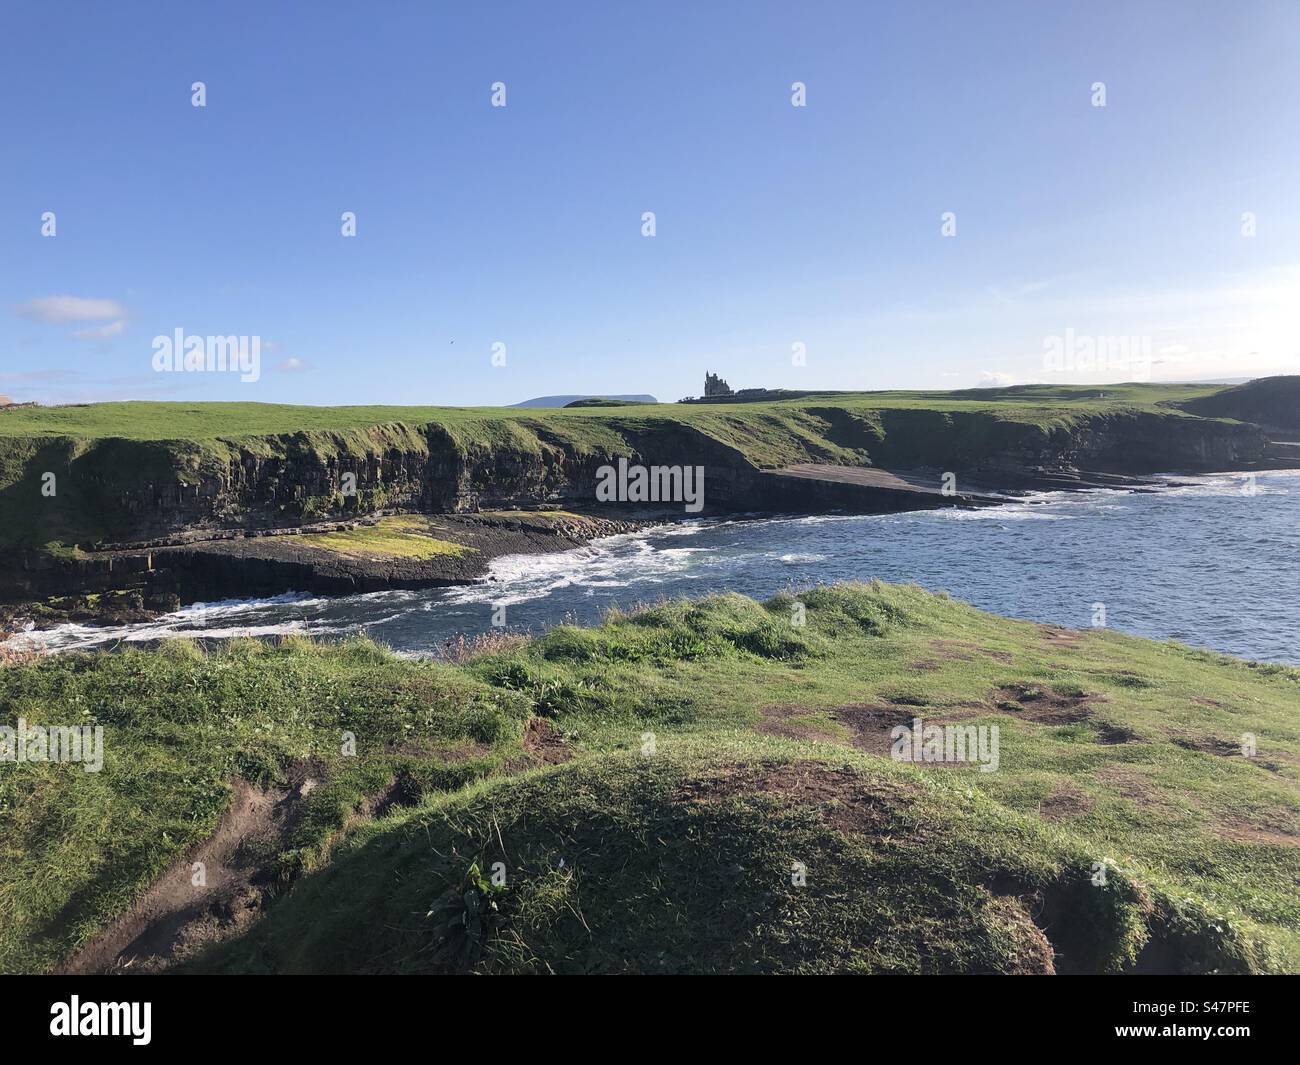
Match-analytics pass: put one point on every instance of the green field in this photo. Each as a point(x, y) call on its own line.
point(706, 748)
point(144, 420)
point(116, 461)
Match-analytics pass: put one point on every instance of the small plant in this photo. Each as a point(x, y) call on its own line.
point(461, 649)
point(13, 656)
point(468, 913)
point(513, 676)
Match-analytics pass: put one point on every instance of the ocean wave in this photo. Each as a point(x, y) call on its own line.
point(1027, 570)
point(78, 637)
point(614, 562)
point(1007, 512)
point(1245, 483)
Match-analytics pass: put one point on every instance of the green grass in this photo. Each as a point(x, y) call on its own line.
point(609, 869)
point(405, 536)
point(681, 859)
point(148, 420)
point(76, 848)
point(114, 460)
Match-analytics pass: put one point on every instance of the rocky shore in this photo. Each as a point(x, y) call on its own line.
point(137, 582)
point(119, 512)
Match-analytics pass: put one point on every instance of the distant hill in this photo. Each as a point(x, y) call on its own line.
point(1267, 401)
point(564, 401)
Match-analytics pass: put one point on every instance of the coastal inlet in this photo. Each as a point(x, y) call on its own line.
point(1209, 561)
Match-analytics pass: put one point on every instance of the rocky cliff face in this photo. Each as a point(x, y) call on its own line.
point(1272, 402)
point(158, 520)
point(114, 491)
point(1137, 443)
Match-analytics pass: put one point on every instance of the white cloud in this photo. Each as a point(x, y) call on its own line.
point(291, 365)
point(101, 332)
point(60, 310)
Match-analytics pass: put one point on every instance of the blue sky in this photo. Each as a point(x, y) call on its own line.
point(775, 225)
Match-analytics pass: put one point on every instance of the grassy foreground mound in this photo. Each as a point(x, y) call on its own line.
point(695, 786)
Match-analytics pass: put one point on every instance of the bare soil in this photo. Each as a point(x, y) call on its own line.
point(176, 917)
point(544, 744)
point(845, 801)
point(1065, 801)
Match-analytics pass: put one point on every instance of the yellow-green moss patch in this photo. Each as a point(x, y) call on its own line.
point(402, 537)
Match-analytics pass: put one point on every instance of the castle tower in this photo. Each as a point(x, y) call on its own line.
point(715, 385)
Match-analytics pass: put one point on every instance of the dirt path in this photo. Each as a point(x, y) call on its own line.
point(177, 916)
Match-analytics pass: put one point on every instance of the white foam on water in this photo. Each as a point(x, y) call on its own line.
point(74, 636)
point(235, 606)
point(1006, 512)
point(1265, 482)
point(614, 562)
point(646, 559)
point(824, 519)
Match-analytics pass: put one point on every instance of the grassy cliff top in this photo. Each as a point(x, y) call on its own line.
point(649, 785)
point(144, 420)
point(113, 461)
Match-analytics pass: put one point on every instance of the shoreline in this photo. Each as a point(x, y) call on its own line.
point(214, 566)
point(144, 582)
point(564, 534)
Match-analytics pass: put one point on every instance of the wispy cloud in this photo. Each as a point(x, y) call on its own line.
point(293, 364)
point(1013, 295)
point(101, 332)
point(63, 310)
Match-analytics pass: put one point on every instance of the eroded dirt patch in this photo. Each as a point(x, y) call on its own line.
point(544, 744)
point(846, 802)
point(1208, 745)
point(1242, 830)
point(1045, 705)
point(1055, 636)
point(1110, 734)
point(1042, 704)
point(177, 916)
point(1138, 788)
point(869, 725)
point(1065, 801)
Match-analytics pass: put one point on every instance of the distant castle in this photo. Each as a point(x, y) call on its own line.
point(715, 386)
